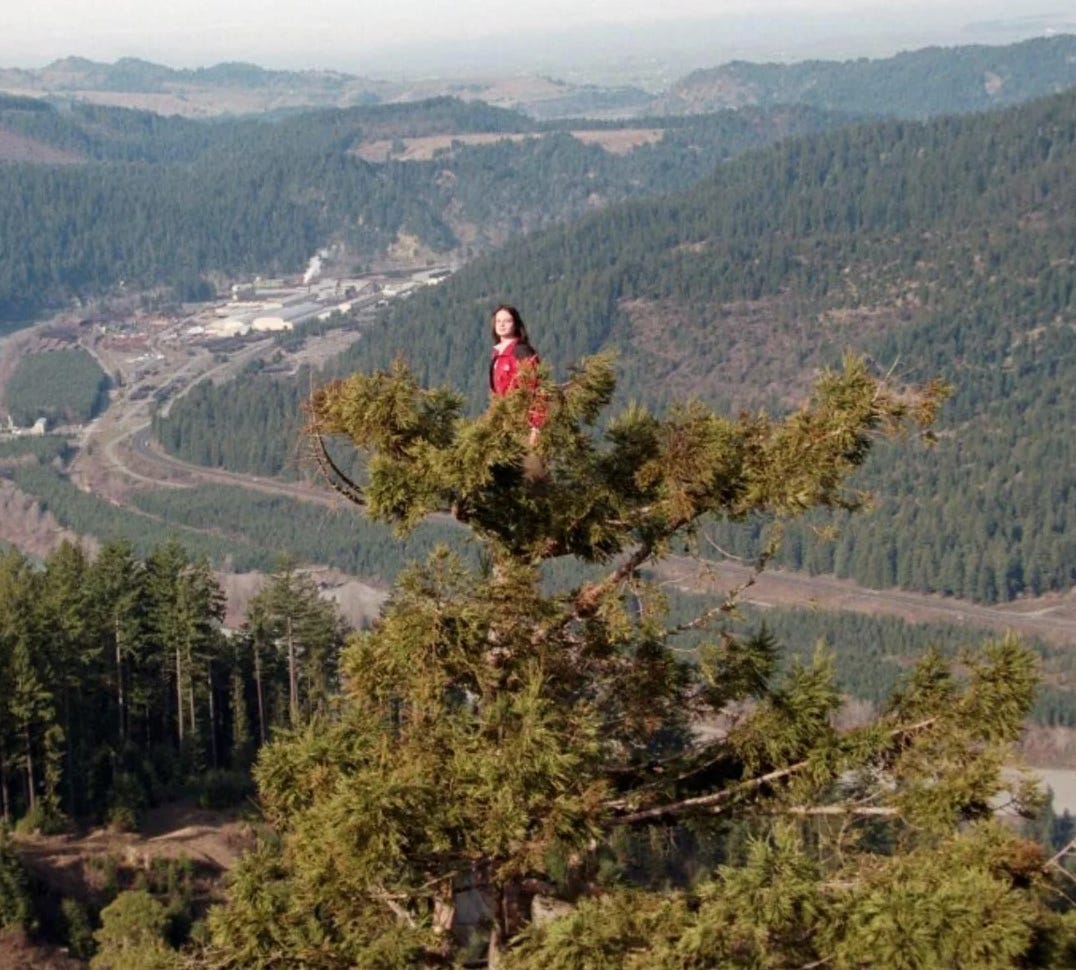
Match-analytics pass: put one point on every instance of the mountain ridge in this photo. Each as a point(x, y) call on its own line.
point(914, 84)
point(911, 84)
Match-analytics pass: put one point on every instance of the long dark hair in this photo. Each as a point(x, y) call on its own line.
point(519, 328)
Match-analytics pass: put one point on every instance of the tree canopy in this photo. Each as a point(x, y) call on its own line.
point(505, 749)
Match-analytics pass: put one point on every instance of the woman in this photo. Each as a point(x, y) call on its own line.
point(514, 361)
point(511, 349)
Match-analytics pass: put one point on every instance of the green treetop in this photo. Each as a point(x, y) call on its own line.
point(499, 745)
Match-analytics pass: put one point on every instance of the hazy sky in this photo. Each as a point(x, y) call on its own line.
point(347, 34)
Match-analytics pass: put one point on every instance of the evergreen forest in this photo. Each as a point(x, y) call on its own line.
point(148, 201)
point(145, 201)
point(64, 386)
point(120, 687)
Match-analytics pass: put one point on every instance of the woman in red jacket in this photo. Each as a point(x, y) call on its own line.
point(514, 362)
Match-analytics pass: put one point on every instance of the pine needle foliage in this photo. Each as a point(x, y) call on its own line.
point(463, 801)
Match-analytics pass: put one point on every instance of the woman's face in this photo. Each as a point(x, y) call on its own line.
point(503, 325)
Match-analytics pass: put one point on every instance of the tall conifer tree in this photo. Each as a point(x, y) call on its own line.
point(495, 732)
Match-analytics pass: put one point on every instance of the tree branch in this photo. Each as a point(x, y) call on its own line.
point(883, 811)
point(732, 595)
point(382, 895)
point(335, 478)
point(714, 802)
point(1055, 859)
point(713, 753)
point(587, 597)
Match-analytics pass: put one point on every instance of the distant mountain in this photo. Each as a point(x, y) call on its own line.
point(230, 88)
point(127, 74)
point(133, 75)
point(241, 89)
point(917, 84)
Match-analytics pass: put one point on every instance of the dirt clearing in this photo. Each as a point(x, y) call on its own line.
point(619, 141)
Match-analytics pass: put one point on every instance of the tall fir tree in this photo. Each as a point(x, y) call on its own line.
point(495, 732)
point(306, 630)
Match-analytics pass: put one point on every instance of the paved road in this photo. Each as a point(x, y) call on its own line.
point(142, 458)
point(1054, 620)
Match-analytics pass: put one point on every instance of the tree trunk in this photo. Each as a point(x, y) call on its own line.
point(493, 953)
point(293, 678)
point(511, 915)
point(190, 694)
point(31, 796)
point(179, 692)
point(261, 696)
point(5, 804)
point(121, 700)
point(212, 718)
point(69, 758)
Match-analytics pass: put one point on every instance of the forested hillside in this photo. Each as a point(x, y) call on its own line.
point(153, 201)
point(912, 84)
point(166, 201)
point(939, 248)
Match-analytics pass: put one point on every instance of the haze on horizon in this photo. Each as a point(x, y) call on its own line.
point(599, 39)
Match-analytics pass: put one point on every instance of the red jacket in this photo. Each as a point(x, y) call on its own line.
point(508, 369)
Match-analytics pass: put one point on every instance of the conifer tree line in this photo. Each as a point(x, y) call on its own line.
point(119, 687)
